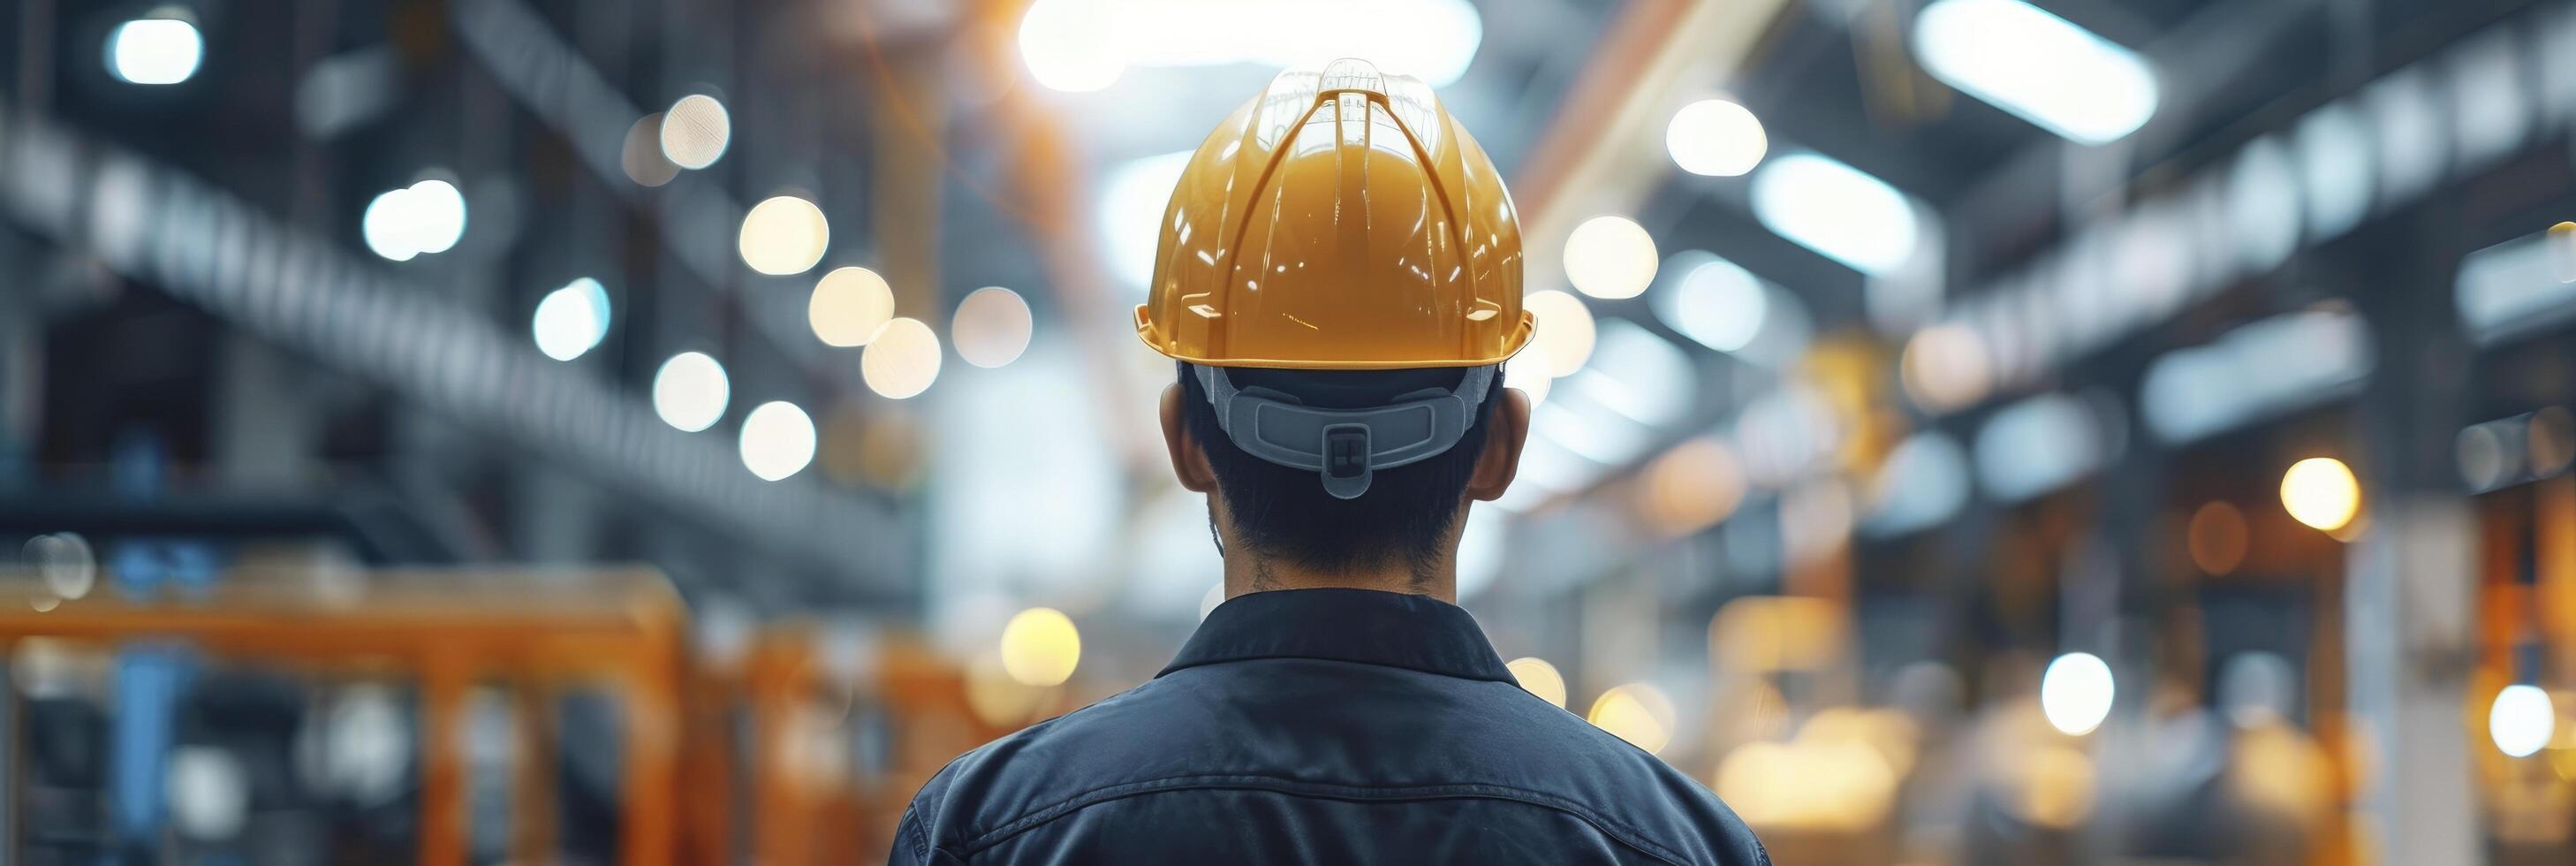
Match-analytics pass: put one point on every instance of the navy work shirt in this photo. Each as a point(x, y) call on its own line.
point(1321, 726)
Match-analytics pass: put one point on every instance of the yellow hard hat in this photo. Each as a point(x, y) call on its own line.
point(1340, 220)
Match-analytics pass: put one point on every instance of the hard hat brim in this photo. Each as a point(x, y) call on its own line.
point(1165, 346)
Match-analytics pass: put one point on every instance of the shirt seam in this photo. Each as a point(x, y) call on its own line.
point(1618, 831)
point(1478, 676)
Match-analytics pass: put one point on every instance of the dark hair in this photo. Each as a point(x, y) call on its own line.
point(1285, 513)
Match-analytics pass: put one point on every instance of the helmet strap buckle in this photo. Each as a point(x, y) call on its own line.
point(1346, 460)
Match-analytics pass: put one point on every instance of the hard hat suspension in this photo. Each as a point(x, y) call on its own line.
point(1345, 447)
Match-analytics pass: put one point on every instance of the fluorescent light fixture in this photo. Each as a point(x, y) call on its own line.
point(154, 51)
point(1839, 211)
point(2264, 368)
point(2517, 287)
point(2038, 66)
point(1132, 199)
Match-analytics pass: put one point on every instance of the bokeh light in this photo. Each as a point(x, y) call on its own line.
point(1636, 712)
point(1945, 367)
point(1071, 45)
point(902, 361)
point(437, 215)
point(2321, 492)
point(2216, 537)
point(2076, 692)
point(1610, 257)
point(209, 795)
point(65, 561)
point(641, 157)
point(160, 50)
point(1540, 678)
point(777, 440)
point(1717, 304)
point(1531, 377)
point(1041, 647)
point(690, 391)
point(995, 698)
point(783, 235)
point(849, 307)
point(1716, 138)
point(2521, 720)
point(992, 327)
point(426, 217)
point(570, 320)
point(695, 131)
point(1565, 331)
point(1691, 487)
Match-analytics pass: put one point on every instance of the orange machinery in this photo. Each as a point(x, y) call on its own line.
point(791, 698)
point(532, 631)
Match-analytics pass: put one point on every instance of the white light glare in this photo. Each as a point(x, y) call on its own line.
point(690, 391)
point(2038, 66)
point(154, 51)
point(1610, 257)
point(2076, 693)
point(1086, 45)
point(1836, 210)
point(1716, 138)
point(783, 235)
point(1070, 45)
point(2521, 720)
point(1132, 200)
point(570, 320)
point(695, 131)
point(777, 440)
point(426, 217)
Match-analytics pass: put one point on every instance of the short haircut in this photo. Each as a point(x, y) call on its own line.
point(1284, 512)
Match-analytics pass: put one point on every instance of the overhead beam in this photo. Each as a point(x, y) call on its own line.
point(1602, 152)
point(209, 248)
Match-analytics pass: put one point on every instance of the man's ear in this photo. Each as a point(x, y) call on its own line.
point(1189, 462)
point(1505, 433)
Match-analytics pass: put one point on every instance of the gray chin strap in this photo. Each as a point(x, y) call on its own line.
point(1345, 446)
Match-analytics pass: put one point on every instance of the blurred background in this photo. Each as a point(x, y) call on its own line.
point(666, 431)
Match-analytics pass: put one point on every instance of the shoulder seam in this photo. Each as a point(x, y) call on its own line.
point(1618, 832)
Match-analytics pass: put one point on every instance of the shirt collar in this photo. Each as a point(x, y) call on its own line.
point(1351, 625)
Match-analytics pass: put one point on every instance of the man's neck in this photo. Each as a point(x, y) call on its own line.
point(1246, 571)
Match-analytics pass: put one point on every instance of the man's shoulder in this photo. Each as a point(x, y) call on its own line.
point(1469, 738)
point(1036, 770)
